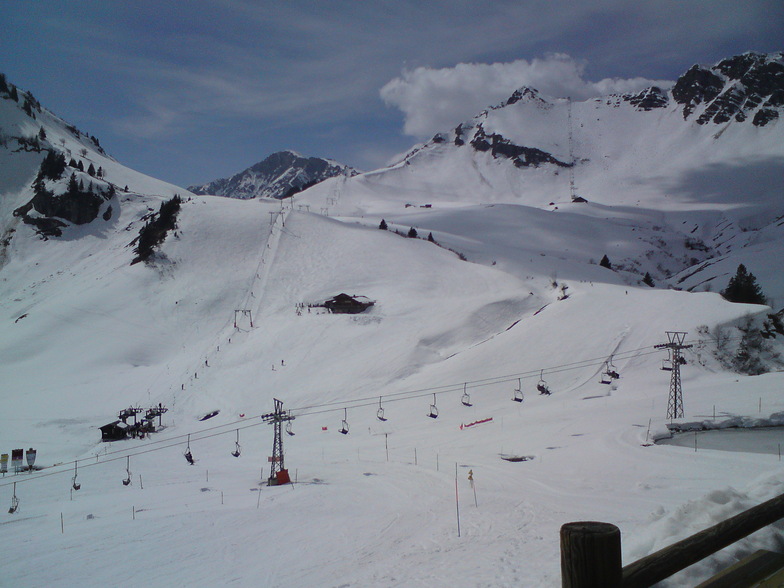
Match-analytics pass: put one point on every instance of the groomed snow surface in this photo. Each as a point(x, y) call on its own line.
point(375, 507)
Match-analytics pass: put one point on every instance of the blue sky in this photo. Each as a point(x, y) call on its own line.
point(192, 91)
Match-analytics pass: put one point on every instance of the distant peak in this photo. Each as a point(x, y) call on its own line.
point(749, 84)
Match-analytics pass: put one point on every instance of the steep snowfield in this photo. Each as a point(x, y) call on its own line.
point(84, 334)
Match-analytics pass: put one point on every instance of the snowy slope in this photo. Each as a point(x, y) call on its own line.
point(84, 334)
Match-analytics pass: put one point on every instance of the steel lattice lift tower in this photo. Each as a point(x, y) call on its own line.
point(674, 345)
point(278, 472)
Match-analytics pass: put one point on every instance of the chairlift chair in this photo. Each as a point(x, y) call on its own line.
point(188, 454)
point(237, 448)
point(289, 429)
point(605, 378)
point(666, 365)
point(76, 485)
point(612, 371)
point(466, 399)
point(344, 424)
point(542, 385)
point(14, 502)
point(380, 412)
point(127, 479)
point(518, 392)
point(433, 409)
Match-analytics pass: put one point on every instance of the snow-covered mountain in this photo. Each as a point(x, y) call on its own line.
point(699, 169)
point(226, 315)
point(280, 175)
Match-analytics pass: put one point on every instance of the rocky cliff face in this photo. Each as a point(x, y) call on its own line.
point(280, 175)
point(747, 85)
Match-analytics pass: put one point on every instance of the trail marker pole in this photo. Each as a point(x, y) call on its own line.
point(457, 502)
point(473, 486)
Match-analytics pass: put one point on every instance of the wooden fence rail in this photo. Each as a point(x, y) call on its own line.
point(591, 551)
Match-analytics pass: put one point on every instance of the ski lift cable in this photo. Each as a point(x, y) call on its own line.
point(65, 468)
point(420, 393)
point(333, 406)
point(486, 381)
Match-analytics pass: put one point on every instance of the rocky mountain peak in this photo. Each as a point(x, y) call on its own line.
point(280, 175)
point(750, 84)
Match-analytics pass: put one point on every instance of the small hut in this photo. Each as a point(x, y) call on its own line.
point(345, 304)
point(115, 431)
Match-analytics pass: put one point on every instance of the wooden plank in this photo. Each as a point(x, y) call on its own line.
point(749, 571)
point(678, 556)
point(776, 580)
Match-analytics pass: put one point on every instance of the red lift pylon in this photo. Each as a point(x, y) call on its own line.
point(278, 472)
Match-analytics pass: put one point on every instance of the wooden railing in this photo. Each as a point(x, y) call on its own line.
point(591, 551)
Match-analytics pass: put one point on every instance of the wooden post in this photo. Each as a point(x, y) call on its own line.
point(590, 555)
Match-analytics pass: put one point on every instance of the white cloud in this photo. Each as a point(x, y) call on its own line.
point(433, 100)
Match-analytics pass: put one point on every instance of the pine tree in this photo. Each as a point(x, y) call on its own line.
point(52, 166)
point(743, 287)
point(430, 238)
point(80, 166)
point(91, 170)
point(13, 94)
point(42, 134)
point(3, 84)
point(383, 225)
point(73, 186)
point(412, 233)
point(605, 262)
point(648, 280)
